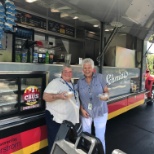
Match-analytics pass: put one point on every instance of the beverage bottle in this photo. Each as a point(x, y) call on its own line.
point(43, 57)
point(40, 55)
point(47, 57)
point(35, 55)
point(40, 58)
point(24, 57)
point(51, 58)
point(18, 56)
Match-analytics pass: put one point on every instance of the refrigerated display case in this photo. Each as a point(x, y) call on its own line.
point(21, 93)
point(20, 37)
point(22, 122)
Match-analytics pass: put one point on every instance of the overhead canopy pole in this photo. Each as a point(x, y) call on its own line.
point(100, 59)
point(103, 46)
point(110, 39)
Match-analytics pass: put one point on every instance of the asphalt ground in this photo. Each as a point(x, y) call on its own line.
point(132, 132)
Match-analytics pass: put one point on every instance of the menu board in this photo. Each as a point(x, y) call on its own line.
point(60, 28)
point(38, 22)
point(30, 20)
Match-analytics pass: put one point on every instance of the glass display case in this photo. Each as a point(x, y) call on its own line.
point(21, 93)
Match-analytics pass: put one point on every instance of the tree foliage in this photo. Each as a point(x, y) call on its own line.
point(150, 63)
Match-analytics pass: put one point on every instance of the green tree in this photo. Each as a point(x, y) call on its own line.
point(150, 63)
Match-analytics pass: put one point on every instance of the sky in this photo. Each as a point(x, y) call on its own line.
point(151, 50)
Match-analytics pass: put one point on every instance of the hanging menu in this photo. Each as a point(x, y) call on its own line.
point(60, 28)
point(30, 20)
point(38, 22)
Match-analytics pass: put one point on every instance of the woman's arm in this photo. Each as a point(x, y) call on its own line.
point(49, 97)
point(106, 90)
point(105, 95)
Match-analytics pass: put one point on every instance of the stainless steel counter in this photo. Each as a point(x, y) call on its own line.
point(118, 79)
point(53, 69)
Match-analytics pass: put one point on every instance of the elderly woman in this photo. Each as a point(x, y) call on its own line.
point(62, 103)
point(93, 94)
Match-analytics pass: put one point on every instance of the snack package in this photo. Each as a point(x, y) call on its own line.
point(10, 15)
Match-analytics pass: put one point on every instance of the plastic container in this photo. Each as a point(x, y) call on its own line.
point(103, 96)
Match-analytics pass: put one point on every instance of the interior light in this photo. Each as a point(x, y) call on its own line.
point(116, 24)
point(75, 17)
point(30, 1)
point(122, 34)
point(95, 25)
point(63, 15)
point(91, 32)
point(107, 30)
point(54, 10)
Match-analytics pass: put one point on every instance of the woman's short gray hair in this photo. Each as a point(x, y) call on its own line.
point(66, 65)
point(89, 61)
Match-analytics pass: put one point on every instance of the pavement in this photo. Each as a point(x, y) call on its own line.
point(132, 132)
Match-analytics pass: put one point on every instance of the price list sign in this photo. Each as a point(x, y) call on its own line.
point(30, 20)
point(60, 28)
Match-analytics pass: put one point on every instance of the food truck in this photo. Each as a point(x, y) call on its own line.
point(34, 52)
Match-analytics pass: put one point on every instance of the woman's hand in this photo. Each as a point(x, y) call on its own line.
point(84, 113)
point(49, 97)
point(63, 95)
point(103, 96)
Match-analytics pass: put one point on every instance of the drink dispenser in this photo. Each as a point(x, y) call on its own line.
point(67, 58)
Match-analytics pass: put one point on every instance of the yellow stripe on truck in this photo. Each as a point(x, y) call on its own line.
point(125, 109)
point(32, 148)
